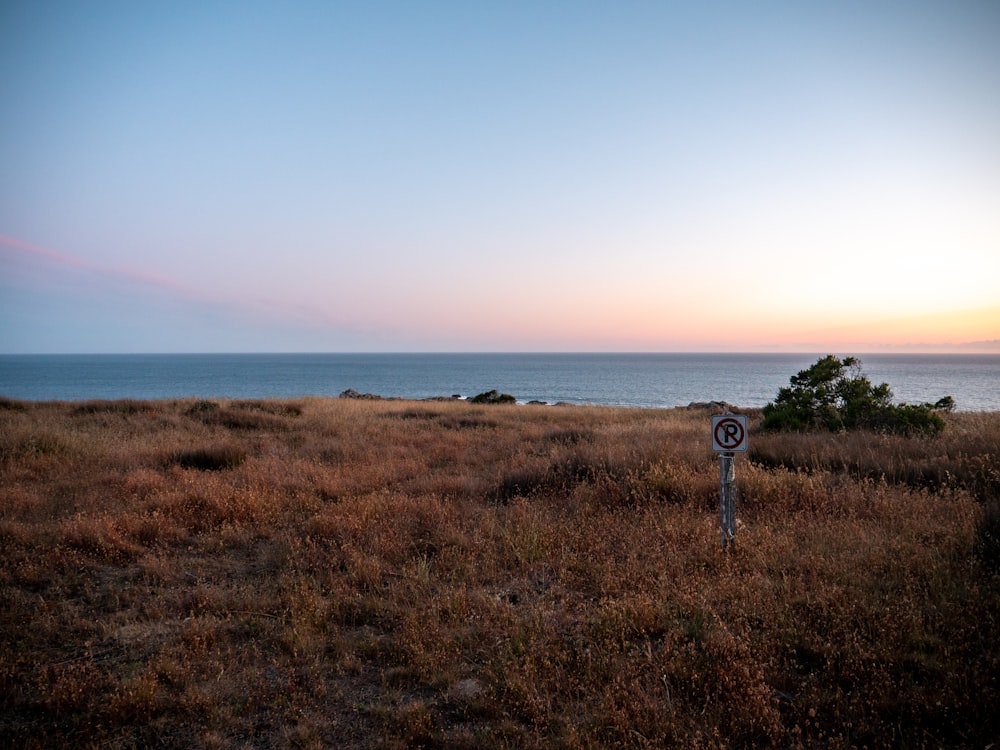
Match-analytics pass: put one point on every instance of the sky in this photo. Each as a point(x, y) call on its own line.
point(625, 175)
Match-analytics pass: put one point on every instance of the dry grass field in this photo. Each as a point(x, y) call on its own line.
point(352, 574)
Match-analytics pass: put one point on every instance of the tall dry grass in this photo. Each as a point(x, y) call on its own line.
point(336, 573)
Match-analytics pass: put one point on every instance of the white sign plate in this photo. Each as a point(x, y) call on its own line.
point(729, 433)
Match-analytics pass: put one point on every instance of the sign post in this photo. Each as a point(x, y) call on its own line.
point(729, 436)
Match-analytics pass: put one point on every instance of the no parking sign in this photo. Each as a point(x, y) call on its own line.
point(729, 433)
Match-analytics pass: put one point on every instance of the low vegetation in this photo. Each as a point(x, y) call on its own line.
point(493, 397)
point(834, 394)
point(355, 573)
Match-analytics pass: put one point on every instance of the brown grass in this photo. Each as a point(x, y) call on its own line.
point(342, 573)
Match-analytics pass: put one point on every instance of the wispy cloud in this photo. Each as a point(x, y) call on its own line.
point(77, 263)
point(62, 258)
point(251, 308)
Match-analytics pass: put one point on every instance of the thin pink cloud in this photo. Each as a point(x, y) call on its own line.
point(74, 262)
point(67, 260)
point(262, 308)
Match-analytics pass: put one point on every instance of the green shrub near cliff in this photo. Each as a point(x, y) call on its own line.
point(834, 394)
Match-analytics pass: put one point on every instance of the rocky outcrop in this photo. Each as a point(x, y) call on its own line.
point(716, 405)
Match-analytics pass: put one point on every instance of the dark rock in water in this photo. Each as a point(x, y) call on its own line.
point(536, 402)
point(351, 393)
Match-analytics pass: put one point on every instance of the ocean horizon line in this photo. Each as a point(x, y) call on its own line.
point(845, 351)
point(653, 379)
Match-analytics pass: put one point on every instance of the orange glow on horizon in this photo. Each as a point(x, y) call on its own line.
point(542, 313)
point(681, 325)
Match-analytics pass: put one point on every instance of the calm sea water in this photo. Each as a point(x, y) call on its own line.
point(645, 380)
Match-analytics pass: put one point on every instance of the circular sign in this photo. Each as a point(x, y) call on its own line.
point(729, 434)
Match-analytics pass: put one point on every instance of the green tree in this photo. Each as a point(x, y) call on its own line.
point(835, 394)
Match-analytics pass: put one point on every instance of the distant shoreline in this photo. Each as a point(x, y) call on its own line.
point(627, 380)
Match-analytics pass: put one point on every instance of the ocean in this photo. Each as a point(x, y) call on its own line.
point(641, 380)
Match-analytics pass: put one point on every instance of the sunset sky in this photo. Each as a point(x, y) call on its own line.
point(486, 176)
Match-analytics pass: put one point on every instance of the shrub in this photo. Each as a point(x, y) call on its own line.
point(492, 397)
point(834, 394)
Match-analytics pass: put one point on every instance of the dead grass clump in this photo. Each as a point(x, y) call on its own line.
point(210, 458)
point(466, 422)
point(21, 444)
point(218, 506)
point(988, 536)
point(142, 483)
point(446, 417)
point(101, 537)
point(238, 419)
point(679, 483)
point(10, 404)
point(135, 701)
point(277, 408)
point(244, 415)
point(123, 407)
point(617, 474)
point(964, 455)
point(525, 481)
point(201, 407)
point(562, 436)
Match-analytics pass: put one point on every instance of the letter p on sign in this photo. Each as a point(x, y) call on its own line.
point(729, 433)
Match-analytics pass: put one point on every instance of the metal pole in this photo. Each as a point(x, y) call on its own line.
point(727, 499)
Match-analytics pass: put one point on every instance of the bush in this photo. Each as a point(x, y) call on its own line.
point(834, 394)
point(493, 397)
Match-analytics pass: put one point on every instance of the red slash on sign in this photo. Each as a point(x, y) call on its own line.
point(729, 432)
